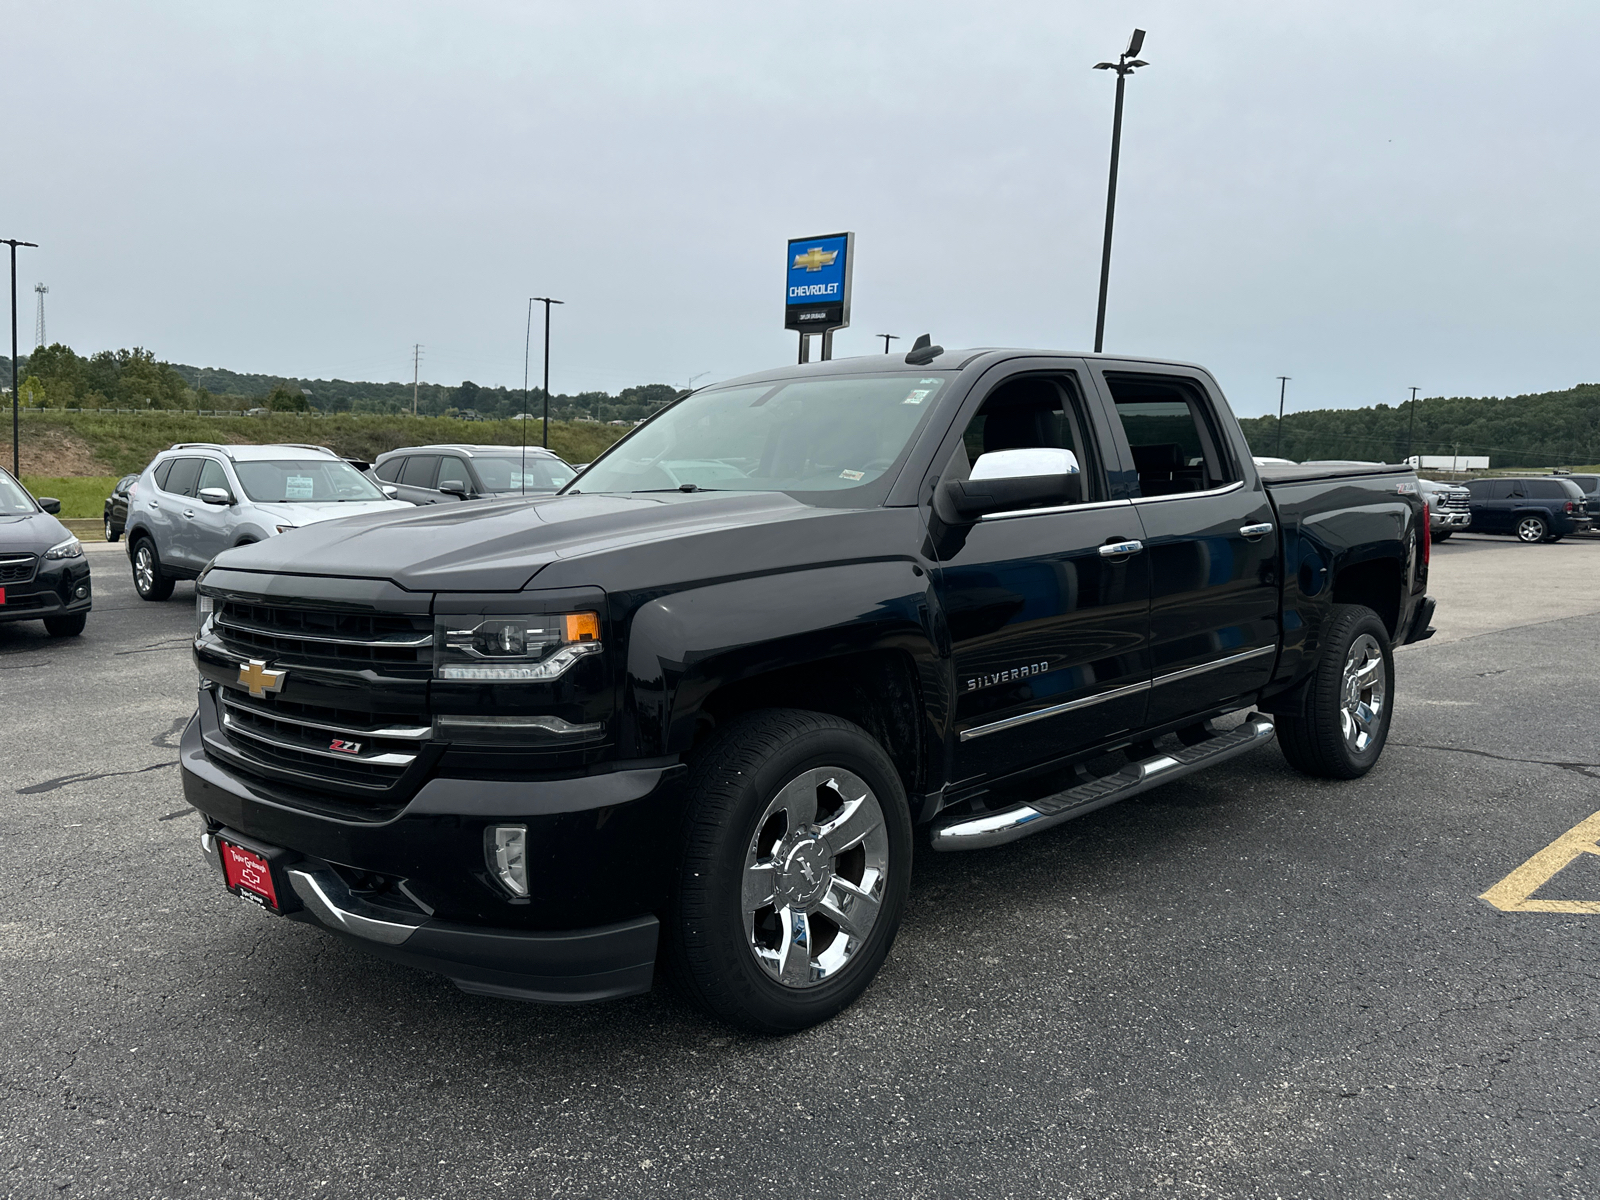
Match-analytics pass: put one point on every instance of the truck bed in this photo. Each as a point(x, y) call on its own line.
point(1272, 473)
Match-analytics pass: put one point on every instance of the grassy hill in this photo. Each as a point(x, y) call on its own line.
point(91, 444)
point(1542, 429)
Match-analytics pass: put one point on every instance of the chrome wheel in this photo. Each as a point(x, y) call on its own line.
point(1531, 529)
point(111, 535)
point(144, 568)
point(814, 876)
point(1364, 693)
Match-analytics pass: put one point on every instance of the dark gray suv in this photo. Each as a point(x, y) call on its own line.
point(1545, 509)
point(430, 474)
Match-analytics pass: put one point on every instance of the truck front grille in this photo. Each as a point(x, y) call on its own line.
point(366, 751)
point(1456, 501)
point(391, 644)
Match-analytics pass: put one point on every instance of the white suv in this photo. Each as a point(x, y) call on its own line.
point(199, 498)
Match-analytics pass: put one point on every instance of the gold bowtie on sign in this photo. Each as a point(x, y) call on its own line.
point(815, 259)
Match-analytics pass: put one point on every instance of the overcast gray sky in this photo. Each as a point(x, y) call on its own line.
point(1363, 196)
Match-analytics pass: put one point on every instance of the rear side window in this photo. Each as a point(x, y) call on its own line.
point(162, 471)
point(1587, 483)
point(1176, 444)
point(420, 470)
point(183, 477)
point(389, 469)
point(1546, 489)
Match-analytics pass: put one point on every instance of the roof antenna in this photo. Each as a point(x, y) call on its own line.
point(923, 352)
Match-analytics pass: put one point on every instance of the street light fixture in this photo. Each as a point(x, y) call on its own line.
point(887, 338)
point(16, 384)
point(1124, 66)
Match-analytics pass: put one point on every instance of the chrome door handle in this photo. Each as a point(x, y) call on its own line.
point(188, 512)
point(1255, 531)
point(1118, 549)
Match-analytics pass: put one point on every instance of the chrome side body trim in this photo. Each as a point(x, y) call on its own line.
point(1190, 672)
point(1055, 508)
point(1054, 710)
point(1220, 491)
point(317, 892)
point(998, 828)
point(1099, 697)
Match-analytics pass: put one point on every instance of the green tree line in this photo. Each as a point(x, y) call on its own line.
point(57, 377)
point(1541, 429)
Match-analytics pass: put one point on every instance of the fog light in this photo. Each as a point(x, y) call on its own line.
point(508, 855)
point(81, 592)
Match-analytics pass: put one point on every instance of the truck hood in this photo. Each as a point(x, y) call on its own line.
point(500, 545)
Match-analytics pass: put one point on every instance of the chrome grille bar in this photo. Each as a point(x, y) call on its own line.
point(385, 759)
point(408, 733)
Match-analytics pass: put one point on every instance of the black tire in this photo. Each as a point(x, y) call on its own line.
point(69, 626)
point(148, 578)
point(1441, 537)
point(112, 532)
point(1314, 733)
point(1532, 530)
point(712, 940)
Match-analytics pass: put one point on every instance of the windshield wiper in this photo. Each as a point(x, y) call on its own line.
point(682, 487)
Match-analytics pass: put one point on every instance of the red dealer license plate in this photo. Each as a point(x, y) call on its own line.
point(248, 874)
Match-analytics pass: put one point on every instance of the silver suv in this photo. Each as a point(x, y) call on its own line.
point(199, 498)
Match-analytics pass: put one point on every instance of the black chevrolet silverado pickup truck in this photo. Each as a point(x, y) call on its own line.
point(696, 707)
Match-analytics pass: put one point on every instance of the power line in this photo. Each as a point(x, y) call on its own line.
point(38, 324)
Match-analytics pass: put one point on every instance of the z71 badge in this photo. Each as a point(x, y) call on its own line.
point(999, 677)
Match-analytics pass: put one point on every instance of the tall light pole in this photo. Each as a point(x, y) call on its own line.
point(16, 384)
point(1124, 66)
point(887, 338)
point(1412, 432)
point(1283, 383)
point(547, 302)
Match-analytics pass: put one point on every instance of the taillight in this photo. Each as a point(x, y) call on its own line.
point(1427, 535)
point(1571, 507)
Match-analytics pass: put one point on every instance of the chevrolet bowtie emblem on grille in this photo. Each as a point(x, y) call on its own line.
point(255, 676)
point(815, 259)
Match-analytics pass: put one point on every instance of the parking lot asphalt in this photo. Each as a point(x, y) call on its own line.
point(1242, 984)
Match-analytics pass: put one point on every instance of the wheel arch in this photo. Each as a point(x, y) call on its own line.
point(1376, 583)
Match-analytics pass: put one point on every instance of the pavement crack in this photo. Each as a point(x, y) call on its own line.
point(1586, 769)
point(50, 785)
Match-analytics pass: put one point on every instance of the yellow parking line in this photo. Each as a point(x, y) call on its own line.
point(1512, 893)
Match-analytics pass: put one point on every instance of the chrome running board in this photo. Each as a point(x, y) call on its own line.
point(1007, 825)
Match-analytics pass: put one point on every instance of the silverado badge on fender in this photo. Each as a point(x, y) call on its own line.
point(255, 676)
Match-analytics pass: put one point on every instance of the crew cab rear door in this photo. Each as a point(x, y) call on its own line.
point(1048, 633)
point(1209, 537)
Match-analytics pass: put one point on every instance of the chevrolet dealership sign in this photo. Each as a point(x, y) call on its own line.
point(817, 297)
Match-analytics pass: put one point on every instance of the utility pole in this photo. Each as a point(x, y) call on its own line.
point(547, 302)
point(1412, 432)
point(416, 371)
point(1283, 383)
point(16, 384)
point(1124, 66)
point(38, 323)
point(887, 338)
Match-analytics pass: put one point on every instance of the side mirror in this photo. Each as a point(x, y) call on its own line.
point(218, 496)
point(50, 504)
point(1003, 480)
point(453, 487)
point(390, 490)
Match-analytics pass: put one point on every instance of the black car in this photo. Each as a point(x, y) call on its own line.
point(117, 503)
point(702, 699)
point(1543, 509)
point(1589, 485)
point(43, 573)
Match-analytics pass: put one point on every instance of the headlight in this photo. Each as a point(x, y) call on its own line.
point(71, 548)
point(510, 649)
point(202, 614)
point(283, 528)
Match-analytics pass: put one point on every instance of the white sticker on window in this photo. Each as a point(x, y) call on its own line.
point(298, 487)
point(853, 476)
point(917, 396)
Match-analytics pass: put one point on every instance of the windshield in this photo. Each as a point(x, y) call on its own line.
point(304, 481)
point(808, 435)
point(508, 475)
point(14, 500)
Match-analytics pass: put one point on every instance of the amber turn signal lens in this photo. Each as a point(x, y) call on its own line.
point(583, 627)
